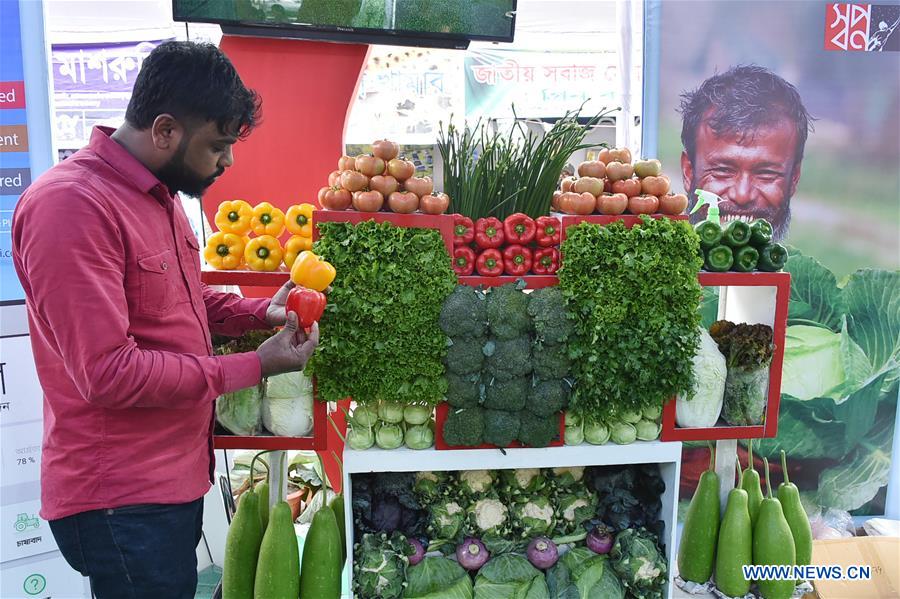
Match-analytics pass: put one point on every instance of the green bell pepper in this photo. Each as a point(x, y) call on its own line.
point(719, 258)
point(772, 257)
point(736, 234)
point(709, 232)
point(760, 233)
point(745, 259)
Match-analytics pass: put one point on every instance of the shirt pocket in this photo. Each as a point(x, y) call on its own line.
point(193, 250)
point(159, 277)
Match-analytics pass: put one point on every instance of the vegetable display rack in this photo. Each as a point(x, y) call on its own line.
point(753, 297)
point(666, 455)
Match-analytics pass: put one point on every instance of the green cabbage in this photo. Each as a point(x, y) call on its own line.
point(437, 578)
point(510, 576)
point(287, 405)
point(240, 411)
point(817, 362)
point(582, 574)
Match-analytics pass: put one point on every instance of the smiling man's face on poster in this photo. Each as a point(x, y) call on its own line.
point(743, 133)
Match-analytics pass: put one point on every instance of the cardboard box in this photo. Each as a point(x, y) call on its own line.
point(882, 554)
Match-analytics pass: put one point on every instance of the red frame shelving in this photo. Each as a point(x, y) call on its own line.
point(781, 281)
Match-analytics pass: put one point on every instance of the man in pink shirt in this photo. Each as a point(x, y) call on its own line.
point(121, 327)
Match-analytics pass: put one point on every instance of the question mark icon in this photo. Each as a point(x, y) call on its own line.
point(34, 584)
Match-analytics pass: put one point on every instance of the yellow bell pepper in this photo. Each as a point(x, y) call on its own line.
point(234, 217)
point(267, 220)
point(295, 245)
point(312, 272)
point(263, 253)
point(224, 251)
point(299, 220)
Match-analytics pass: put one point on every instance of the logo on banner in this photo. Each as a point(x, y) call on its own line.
point(862, 27)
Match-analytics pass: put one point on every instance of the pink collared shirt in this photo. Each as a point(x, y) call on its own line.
point(120, 329)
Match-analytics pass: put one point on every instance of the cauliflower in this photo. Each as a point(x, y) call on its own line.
point(489, 515)
point(446, 521)
point(476, 482)
point(534, 517)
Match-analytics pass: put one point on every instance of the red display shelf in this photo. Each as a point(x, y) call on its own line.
point(781, 281)
point(317, 441)
point(249, 278)
point(531, 281)
point(441, 222)
point(440, 416)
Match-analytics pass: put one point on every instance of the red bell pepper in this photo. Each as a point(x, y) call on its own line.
point(309, 305)
point(519, 228)
point(463, 260)
point(489, 233)
point(517, 260)
point(490, 263)
point(546, 261)
point(547, 234)
point(463, 230)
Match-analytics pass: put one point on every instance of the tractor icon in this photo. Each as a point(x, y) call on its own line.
point(23, 522)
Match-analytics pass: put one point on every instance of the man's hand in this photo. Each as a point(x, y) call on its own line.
point(275, 313)
point(289, 349)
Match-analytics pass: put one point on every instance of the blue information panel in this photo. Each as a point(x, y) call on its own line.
point(15, 161)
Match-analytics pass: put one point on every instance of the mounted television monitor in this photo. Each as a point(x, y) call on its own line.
point(428, 23)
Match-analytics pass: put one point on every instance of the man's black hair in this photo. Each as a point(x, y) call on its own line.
point(193, 81)
point(739, 102)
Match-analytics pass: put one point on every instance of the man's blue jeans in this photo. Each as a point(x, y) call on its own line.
point(136, 551)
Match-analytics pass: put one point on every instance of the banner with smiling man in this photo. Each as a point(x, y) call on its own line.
point(788, 111)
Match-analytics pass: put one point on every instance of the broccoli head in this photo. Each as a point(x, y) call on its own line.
point(463, 390)
point(464, 427)
point(537, 431)
point(507, 312)
point(465, 355)
point(548, 397)
point(506, 395)
point(500, 428)
point(550, 361)
point(464, 313)
point(508, 359)
point(547, 309)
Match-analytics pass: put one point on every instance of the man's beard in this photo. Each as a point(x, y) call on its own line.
point(177, 176)
point(779, 218)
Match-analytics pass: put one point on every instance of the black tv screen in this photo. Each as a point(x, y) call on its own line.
point(446, 23)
